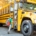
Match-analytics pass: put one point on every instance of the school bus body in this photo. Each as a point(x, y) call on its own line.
point(19, 14)
point(5, 10)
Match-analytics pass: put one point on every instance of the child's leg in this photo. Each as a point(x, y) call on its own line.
point(9, 28)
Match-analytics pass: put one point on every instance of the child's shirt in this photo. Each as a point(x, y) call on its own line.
point(10, 19)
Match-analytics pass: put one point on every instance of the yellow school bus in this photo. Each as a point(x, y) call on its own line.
point(23, 14)
point(5, 12)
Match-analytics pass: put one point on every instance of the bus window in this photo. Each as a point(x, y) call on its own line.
point(4, 11)
point(11, 9)
point(1, 12)
point(8, 9)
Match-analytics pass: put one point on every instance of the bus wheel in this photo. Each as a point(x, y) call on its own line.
point(26, 28)
point(1, 24)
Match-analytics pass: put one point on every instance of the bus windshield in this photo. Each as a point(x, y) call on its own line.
point(29, 6)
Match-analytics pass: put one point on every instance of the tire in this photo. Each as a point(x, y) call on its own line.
point(1, 25)
point(26, 28)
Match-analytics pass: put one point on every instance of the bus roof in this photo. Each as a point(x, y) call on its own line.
point(32, 1)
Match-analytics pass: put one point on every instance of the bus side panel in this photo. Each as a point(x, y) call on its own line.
point(19, 19)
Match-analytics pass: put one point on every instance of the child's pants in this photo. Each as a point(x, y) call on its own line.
point(10, 26)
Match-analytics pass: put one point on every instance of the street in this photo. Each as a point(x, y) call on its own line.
point(4, 30)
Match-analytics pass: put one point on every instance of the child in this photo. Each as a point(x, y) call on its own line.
point(10, 26)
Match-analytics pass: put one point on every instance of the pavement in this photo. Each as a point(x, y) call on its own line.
point(4, 30)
